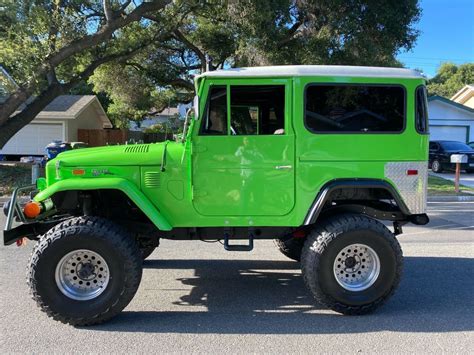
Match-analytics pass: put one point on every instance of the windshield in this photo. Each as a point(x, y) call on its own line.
point(455, 146)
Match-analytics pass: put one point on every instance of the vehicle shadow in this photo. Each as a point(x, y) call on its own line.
point(269, 297)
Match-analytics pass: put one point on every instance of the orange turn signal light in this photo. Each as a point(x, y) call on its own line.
point(32, 209)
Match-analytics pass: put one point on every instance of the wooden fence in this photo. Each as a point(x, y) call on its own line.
point(101, 137)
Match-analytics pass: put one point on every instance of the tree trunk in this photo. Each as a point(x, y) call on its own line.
point(21, 119)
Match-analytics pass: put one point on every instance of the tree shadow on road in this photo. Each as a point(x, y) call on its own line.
point(269, 297)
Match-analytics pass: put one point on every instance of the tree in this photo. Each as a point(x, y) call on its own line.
point(50, 46)
point(157, 47)
point(450, 78)
point(252, 33)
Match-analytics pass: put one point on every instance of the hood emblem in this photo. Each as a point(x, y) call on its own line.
point(97, 172)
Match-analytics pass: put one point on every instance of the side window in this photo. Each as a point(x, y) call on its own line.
point(215, 119)
point(257, 109)
point(421, 110)
point(353, 108)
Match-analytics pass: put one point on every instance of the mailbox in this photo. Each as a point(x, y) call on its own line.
point(458, 158)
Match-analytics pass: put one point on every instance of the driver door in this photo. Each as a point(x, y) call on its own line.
point(243, 152)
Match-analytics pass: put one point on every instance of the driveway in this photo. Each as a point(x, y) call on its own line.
point(197, 298)
point(466, 179)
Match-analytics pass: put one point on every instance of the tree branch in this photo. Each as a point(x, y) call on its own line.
point(86, 42)
point(182, 38)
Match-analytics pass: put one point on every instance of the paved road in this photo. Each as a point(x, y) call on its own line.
point(195, 297)
point(466, 179)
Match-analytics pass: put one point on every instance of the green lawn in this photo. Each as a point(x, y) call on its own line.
point(12, 176)
point(439, 186)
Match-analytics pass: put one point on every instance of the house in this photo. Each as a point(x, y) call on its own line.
point(162, 117)
point(465, 96)
point(450, 120)
point(60, 120)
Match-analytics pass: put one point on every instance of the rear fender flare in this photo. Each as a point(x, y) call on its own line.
point(325, 192)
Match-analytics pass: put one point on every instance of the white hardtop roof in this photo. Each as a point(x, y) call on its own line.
point(314, 70)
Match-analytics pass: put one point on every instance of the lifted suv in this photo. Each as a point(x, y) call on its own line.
point(311, 156)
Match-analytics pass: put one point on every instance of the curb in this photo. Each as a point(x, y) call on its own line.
point(450, 199)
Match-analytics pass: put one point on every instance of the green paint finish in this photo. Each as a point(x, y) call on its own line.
point(251, 180)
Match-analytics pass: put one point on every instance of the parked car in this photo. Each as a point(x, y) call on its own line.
point(471, 144)
point(315, 157)
point(440, 155)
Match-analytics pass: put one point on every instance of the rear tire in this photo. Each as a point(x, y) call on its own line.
point(291, 248)
point(351, 263)
point(84, 271)
point(147, 251)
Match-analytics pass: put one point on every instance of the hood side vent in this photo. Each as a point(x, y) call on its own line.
point(137, 148)
point(152, 179)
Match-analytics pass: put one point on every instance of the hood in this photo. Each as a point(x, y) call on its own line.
point(117, 155)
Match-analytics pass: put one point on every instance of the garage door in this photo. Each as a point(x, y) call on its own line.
point(33, 138)
point(448, 133)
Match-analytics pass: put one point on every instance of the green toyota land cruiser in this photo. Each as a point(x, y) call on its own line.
point(314, 157)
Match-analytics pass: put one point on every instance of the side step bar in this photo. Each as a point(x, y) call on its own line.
point(238, 247)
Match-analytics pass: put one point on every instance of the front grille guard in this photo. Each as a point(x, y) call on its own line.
point(14, 208)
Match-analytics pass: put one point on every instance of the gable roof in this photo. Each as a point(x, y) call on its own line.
point(450, 102)
point(69, 107)
point(315, 70)
point(464, 94)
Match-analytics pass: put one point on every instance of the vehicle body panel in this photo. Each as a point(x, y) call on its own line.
point(206, 182)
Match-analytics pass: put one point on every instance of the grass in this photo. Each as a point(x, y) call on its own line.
point(12, 176)
point(438, 186)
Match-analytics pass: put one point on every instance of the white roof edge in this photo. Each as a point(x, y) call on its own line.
point(315, 70)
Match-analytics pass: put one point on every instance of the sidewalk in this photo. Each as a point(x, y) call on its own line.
point(466, 179)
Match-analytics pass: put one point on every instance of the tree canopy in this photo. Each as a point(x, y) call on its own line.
point(450, 78)
point(143, 55)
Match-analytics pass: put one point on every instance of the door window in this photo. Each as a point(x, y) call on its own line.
point(257, 110)
point(215, 120)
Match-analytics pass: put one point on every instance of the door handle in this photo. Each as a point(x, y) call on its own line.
point(283, 167)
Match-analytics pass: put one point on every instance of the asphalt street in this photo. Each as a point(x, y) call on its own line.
point(196, 297)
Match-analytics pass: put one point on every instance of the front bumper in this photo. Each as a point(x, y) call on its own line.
point(14, 213)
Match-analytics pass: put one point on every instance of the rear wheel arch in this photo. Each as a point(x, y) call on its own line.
point(361, 192)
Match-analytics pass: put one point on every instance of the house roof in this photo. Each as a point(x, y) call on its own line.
point(450, 102)
point(464, 94)
point(315, 70)
point(69, 107)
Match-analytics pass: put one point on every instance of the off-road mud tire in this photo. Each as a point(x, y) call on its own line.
point(291, 248)
point(323, 245)
point(113, 243)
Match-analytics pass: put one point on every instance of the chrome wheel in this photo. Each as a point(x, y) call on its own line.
point(356, 267)
point(82, 275)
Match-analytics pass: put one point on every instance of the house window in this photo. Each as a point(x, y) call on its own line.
point(351, 108)
point(421, 110)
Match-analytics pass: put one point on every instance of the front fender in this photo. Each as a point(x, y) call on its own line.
point(111, 183)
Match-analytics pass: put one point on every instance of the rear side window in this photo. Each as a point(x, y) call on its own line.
point(355, 108)
point(421, 110)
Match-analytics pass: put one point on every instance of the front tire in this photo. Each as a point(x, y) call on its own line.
point(352, 264)
point(84, 271)
point(436, 166)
